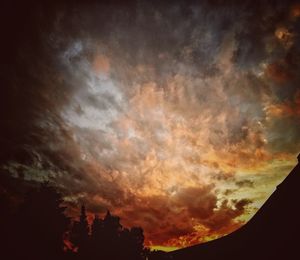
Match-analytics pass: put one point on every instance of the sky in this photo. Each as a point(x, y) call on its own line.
point(178, 117)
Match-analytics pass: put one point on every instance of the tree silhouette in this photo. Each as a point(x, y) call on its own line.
point(97, 229)
point(40, 224)
point(108, 239)
point(37, 227)
point(79, 234)
point(96, 240)
point(132, 243)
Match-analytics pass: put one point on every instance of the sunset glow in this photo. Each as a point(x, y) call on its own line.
point(181, 120)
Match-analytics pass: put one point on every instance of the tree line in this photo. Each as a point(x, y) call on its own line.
point(39, 229)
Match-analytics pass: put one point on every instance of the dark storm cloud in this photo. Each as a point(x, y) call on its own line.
point(245, 183)
point(253, 36)
point(226, 214)
point(198, 203)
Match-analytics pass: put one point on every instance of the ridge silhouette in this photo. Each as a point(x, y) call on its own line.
point(272, 233)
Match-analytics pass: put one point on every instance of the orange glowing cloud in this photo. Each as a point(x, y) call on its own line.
point(295, 11)
point(279, 72)
point(284, 36)
point(285, 109)
point(101, 64)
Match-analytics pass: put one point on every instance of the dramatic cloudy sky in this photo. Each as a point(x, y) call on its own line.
point(180, 118)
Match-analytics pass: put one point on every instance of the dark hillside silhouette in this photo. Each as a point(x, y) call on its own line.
point(273, 233)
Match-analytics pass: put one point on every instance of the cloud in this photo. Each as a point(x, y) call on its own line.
point(245, 183)
point(278, 72)
point(157, 112)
